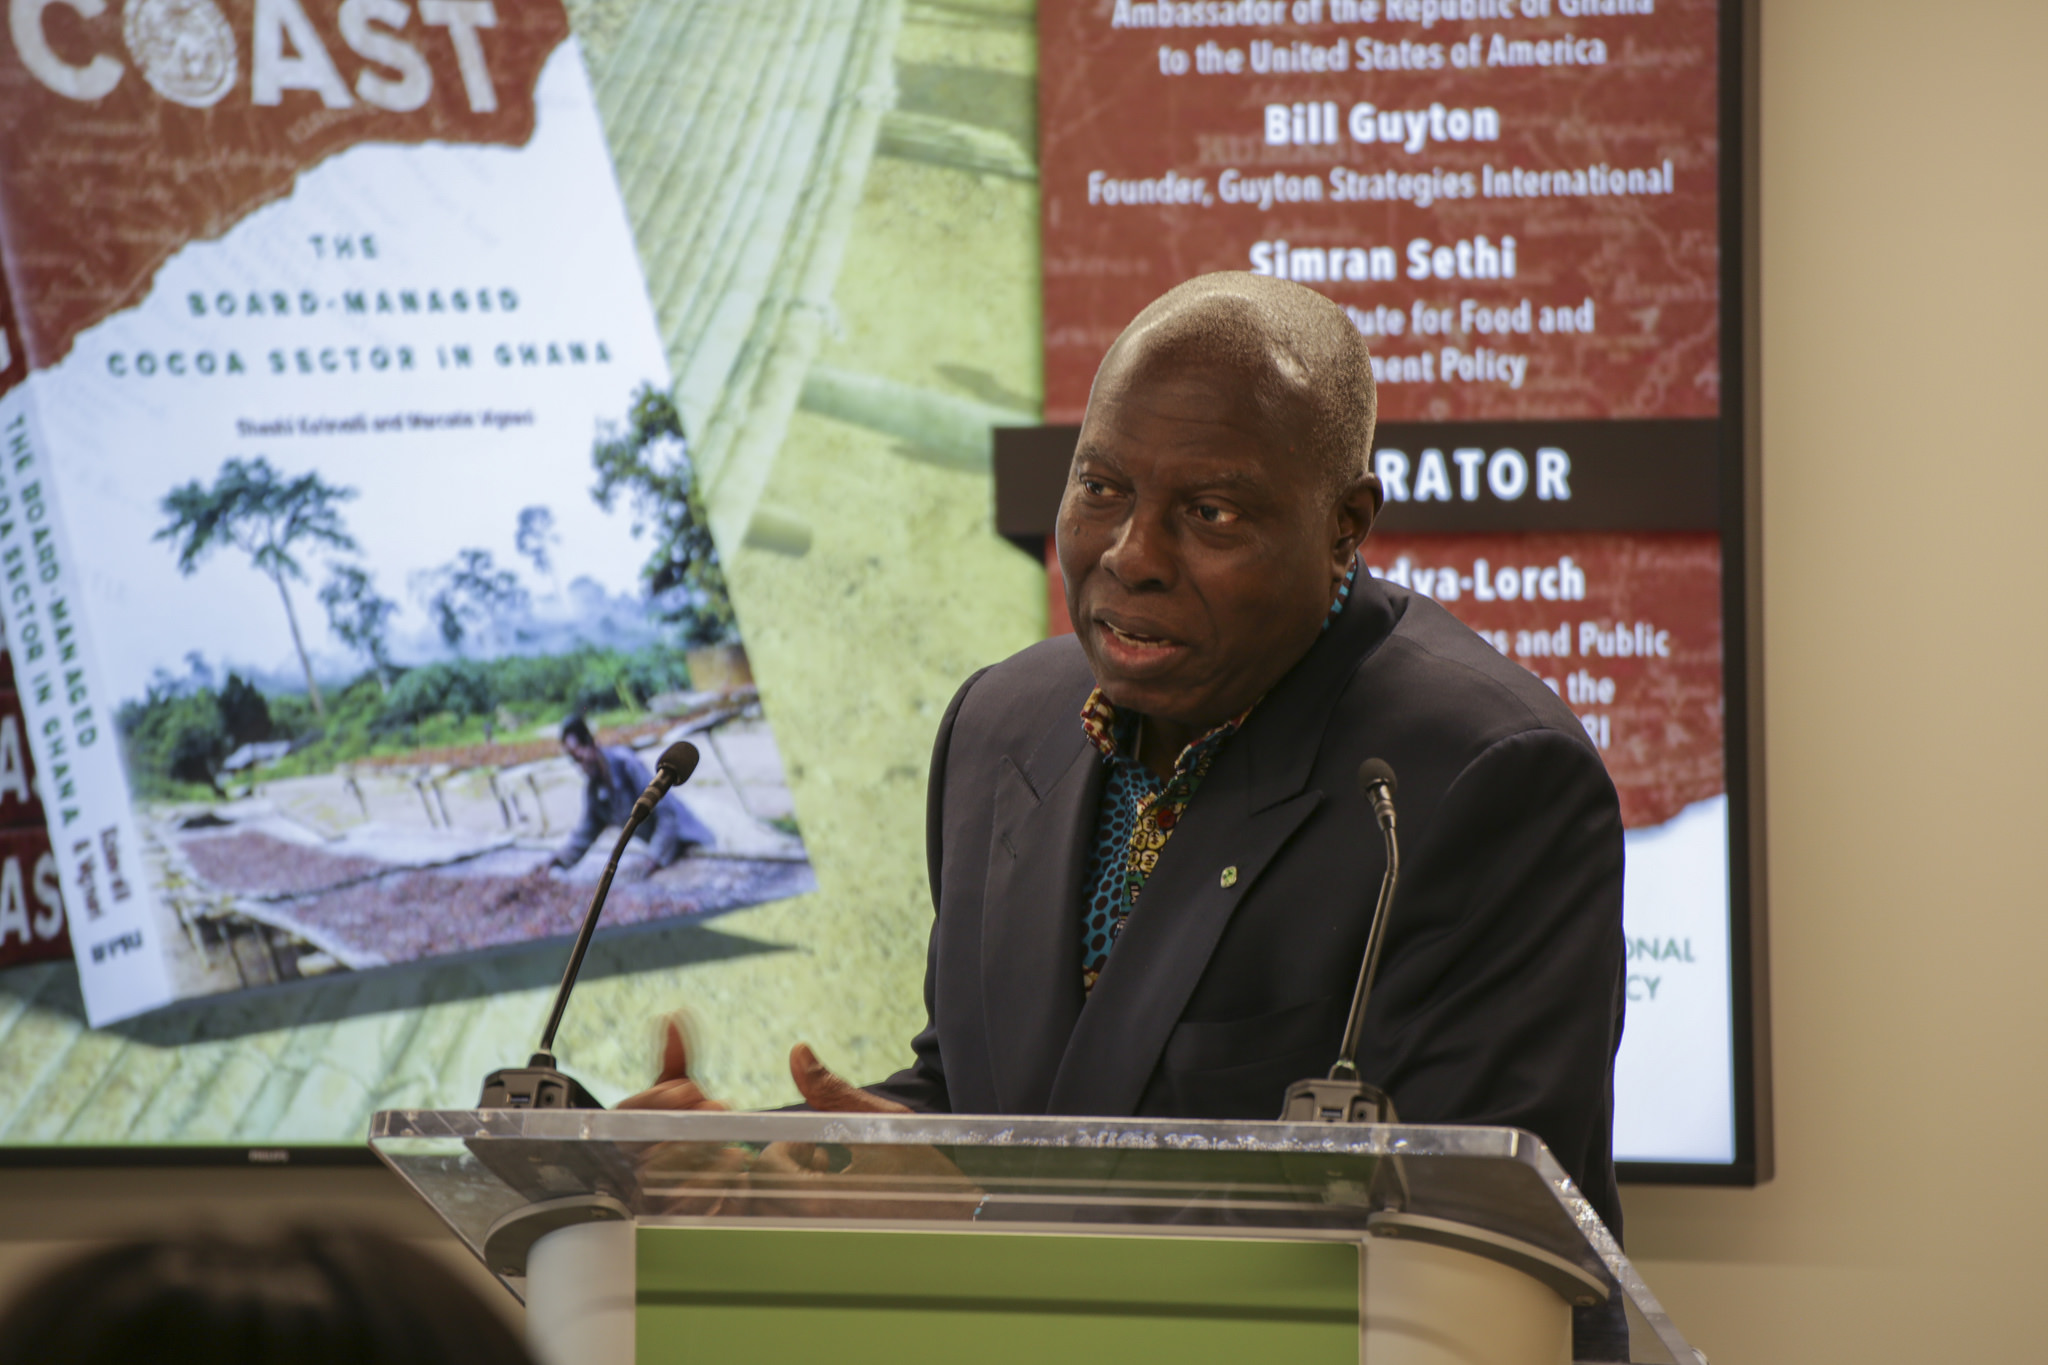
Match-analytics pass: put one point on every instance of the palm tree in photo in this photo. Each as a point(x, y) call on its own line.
point(360, 617)
point(471, 595)
point(267, 516)
point(649, 462)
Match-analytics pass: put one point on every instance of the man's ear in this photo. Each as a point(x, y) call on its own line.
point(1357, 507)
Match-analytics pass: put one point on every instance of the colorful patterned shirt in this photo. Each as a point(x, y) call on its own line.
point(1139, 811)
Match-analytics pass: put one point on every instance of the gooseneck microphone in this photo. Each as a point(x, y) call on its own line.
point(1376, 783)
point(1343, 1096)
point(538, 1084)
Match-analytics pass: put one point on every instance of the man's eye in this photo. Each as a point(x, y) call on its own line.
point(1214, 515)
point(1094, 488)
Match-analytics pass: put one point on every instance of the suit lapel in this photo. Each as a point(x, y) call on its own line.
point(1167, 943)
point(1248, 806)
point(1031, 913)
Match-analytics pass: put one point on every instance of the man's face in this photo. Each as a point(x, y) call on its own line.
point(1200, 552)
point(585, 756)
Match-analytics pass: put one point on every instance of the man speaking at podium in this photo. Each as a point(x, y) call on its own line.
point(1152, 869)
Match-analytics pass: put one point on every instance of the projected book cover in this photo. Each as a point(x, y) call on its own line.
point(337, 469)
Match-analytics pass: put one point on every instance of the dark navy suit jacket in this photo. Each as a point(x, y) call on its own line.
point(1499, 996)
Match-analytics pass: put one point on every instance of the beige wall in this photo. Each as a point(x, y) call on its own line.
point(1905, 228)
point(1905, 225)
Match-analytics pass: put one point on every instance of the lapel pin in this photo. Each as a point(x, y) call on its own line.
point(1230, 876)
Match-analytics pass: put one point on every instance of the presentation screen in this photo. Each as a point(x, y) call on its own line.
point(416, 416)
point(1519, 203)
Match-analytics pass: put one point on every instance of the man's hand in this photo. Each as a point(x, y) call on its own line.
point(796, 1179)
point(830, 1093)
point(693, 1178)
point(673, 1088)
point(791, 1178)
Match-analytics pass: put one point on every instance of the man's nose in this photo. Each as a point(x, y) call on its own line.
point(1141, 555)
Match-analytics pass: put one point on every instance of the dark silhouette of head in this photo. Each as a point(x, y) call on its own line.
point(305, 1297)
point(1219, 494)
point(582, 747)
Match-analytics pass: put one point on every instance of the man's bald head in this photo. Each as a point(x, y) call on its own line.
point(1295, 354)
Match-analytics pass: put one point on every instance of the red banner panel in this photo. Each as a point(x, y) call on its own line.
point(1625, 628)
point(32, 927)
point(1515, 200)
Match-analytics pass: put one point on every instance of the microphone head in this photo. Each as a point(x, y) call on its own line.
point(1374, 771)
point(677, 762)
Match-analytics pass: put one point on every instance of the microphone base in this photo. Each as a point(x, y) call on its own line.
point(1317, 1100)
point(537, 1085)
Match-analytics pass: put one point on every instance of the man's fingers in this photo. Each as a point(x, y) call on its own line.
point(675, 1048)
point(822, 1090)
point(676, 1094)
point(673, 1088)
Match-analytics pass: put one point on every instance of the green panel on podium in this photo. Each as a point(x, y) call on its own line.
point(772, 1295)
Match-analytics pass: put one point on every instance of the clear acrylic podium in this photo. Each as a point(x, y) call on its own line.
point(910, 1238)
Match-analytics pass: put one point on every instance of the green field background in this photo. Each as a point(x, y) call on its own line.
point(837, 210)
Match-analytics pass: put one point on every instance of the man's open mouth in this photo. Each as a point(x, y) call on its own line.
point(1130, 642)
